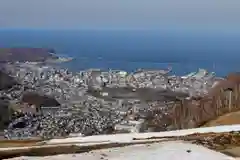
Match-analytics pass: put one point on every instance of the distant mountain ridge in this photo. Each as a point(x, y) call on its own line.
point(26, 54)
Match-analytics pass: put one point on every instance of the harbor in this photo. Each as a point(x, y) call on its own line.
point(93, 101)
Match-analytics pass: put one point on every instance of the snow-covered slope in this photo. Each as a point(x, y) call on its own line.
point(160, 149)
point(126, 138)
point(156, 151)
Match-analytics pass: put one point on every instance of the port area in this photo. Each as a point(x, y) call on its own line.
point(93, 109)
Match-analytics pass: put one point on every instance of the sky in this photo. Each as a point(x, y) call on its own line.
point(120, 14)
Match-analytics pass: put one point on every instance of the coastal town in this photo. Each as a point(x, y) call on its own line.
point(94, 101)
point(47, 109)
point(119, 80)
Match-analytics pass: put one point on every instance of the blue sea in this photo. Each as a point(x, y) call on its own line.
point(185, 51)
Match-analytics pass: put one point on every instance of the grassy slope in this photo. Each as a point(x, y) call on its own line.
point(227, 119)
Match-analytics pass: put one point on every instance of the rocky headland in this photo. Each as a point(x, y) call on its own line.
point(26, 54)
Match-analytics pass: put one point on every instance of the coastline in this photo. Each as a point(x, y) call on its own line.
point(60, 60)
point(193, 109)
point(153, 90)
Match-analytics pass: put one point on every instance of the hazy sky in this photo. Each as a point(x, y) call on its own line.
point(144, 14)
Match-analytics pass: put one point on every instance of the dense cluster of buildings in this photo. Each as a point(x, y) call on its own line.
point(97, 102)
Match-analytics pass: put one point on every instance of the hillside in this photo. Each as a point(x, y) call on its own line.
point(6, 81)
point(26, 54)
point(227, 119)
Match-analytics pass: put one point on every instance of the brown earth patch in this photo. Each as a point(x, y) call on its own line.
point(18, 143)
point(227, 119)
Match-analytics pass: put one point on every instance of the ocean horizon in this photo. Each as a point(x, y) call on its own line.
point(128, 49)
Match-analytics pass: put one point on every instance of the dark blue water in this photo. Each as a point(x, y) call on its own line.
point(128, 50)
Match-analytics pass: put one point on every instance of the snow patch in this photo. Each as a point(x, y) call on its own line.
point(127, 138)
point(164, 151)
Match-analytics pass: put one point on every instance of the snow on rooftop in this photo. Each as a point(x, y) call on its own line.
point(173, 150)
